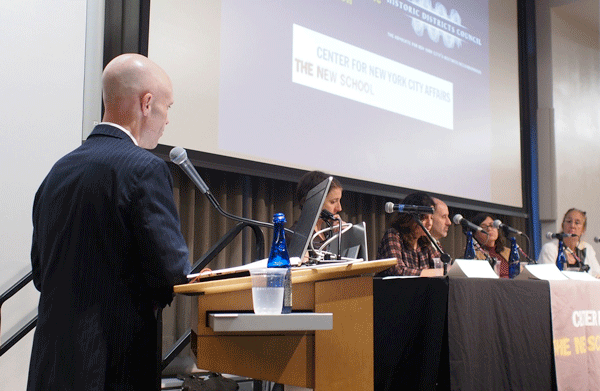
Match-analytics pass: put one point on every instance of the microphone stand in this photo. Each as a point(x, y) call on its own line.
point(328, 216)
point(581, 260)
point(507, 234)
point(529, 260)
point(339, 236)
point(443, 256)
point(491, 261)
point(583, 267)
point(339, 252)
point(214, 202)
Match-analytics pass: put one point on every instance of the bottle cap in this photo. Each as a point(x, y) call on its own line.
point(279, 218)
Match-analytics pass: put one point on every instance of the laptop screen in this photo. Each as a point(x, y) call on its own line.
point(305, 227)
point(354, 243)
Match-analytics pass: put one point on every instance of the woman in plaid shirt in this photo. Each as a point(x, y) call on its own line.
point(406, 241)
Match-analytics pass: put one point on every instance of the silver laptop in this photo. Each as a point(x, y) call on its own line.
point(354, 243)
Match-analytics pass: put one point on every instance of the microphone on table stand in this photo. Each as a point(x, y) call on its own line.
point(467, 227)
point(507, 231)
point(390, 207)
point(466, 224)
point(561, 259)
point(328, 216)
point(560, 236)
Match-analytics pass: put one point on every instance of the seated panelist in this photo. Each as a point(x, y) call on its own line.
point(493, 245)
point(332, 201)
point(441, 223)
point(406, 241)
point(577, 251)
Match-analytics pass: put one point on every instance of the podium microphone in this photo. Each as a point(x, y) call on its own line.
point(178, 155)
point(597, 239)
point(459, 220)
point(498, 224)
point(560, 236)
point(390, 207)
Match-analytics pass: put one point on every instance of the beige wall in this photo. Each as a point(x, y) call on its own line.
point(569, 118)
point(46, 49)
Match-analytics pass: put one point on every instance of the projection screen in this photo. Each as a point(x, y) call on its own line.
point(413, 94)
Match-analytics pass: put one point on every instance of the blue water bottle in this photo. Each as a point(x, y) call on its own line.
point(470, 248)
point(514, 261)
point(279, 257)
point(561, 260)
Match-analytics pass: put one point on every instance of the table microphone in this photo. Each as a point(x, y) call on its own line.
point(390, 207)
point(560, 236)
point(498, 224)
point(327, 215)
point(459, 220)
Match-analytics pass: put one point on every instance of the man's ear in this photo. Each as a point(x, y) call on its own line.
point(146, 103)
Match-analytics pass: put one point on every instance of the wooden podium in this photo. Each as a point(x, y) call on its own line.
point(336, 359)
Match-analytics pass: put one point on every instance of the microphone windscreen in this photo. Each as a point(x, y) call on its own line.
point(389, 207)
point(457, 218)
point(497, 224)
point(549, 235)
point(178, 155)
point(597, 239)
point(327, 215)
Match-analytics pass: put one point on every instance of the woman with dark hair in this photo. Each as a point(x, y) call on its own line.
point(406, 241)
point(491, 245)
point(312, 179)
point(332, 201)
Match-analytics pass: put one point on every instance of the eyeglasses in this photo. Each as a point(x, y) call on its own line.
point(575, 222)
point(487, 227)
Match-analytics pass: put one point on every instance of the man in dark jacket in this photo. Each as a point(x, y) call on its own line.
point(107, 246)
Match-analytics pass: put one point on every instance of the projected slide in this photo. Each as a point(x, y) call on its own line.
point(330, 65)
point(419, 94)
point(390, 91)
